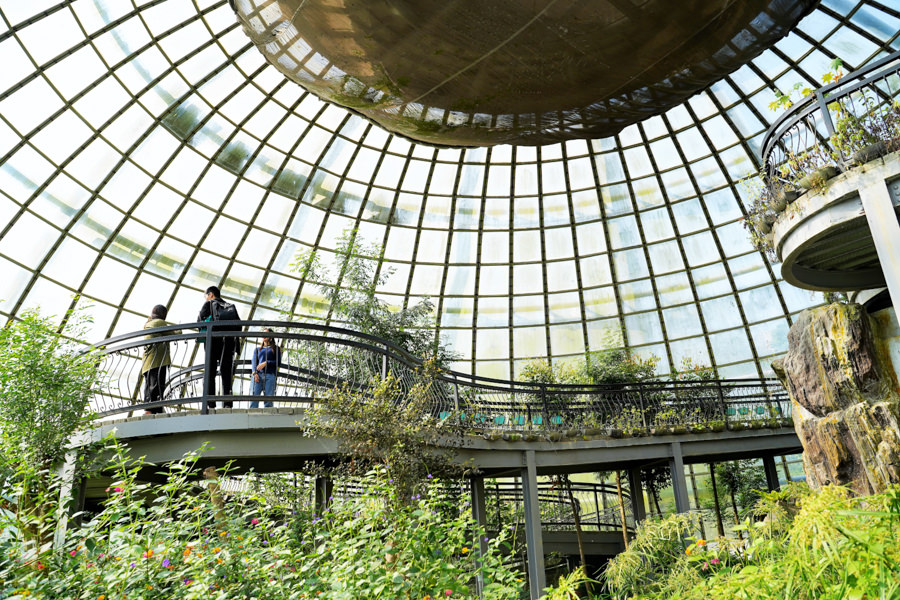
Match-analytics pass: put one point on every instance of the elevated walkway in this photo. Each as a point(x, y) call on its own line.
point(514, 429)
point(270, 440)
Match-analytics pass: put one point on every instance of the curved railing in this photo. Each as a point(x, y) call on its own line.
point(597, 503)
point(316, 358)
point(836, 126)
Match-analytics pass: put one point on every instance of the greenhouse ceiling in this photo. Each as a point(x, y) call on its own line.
point(148, 150)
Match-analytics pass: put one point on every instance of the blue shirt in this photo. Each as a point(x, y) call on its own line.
point(270, 356)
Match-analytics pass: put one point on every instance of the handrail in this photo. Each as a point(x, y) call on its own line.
point(800, 129)
point(597, 503)
point(316, 358)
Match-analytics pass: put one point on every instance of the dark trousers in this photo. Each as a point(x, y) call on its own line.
point(154, 386)
point(222, 360)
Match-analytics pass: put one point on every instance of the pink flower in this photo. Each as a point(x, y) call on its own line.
point(73, 552)
point(254, 521)
point(118, 489)
point(448, 593)
point(714, 561)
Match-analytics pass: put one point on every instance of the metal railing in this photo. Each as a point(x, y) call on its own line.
point(318, 358)
point(597, 503)
point(837, 125)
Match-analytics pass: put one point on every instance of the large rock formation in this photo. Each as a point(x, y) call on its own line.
point(845, 399)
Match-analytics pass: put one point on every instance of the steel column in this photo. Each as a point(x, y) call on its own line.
point(638, 508)
point(479, 515)
point(882, 220)
point(324, 492)
point(771, 473)
point(537, 578)
point(679, 483)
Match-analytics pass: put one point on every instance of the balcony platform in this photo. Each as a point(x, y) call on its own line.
point(824, 240)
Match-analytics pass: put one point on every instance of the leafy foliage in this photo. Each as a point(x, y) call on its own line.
point(602, 367)
point(742, 480)
point(392, 427)
point(349, 288)
point(45, 384)
point(657, 547)
point(177, 540)
point(617, 365)
point(827, 545)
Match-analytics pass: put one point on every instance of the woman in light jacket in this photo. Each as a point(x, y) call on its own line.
point(155, 367)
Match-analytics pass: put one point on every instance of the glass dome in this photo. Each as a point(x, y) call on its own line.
point(148, 151)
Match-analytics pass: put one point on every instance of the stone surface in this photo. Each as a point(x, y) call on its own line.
point(846, 404)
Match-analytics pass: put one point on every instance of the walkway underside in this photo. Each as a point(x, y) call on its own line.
point(272, 441)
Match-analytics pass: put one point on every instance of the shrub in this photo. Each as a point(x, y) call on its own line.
point(179, 540)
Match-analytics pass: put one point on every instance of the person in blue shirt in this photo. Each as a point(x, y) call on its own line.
point(265, 363)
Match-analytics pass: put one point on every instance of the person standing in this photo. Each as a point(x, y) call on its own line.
point(155, 367)
point(265, 363)
point(223, 348)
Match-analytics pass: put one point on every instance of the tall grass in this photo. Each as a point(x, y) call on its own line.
point(803, 545)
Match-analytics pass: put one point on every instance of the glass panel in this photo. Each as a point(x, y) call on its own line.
point(730, 346)
point(643, 328)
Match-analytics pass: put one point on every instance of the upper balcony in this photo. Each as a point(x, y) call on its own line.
point(833, 181)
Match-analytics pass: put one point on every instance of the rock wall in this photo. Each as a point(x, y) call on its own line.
point(846, 404)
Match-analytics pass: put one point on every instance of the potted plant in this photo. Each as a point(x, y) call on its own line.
point(874, 132)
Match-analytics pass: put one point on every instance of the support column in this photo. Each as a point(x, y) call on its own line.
point(638, 508)
point(679, 483)
point(537, 578)
point(882, 220)
point(771, 473)
point(479, 515)
point(324, 492)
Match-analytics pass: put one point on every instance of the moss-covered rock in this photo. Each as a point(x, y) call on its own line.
point(846, 404)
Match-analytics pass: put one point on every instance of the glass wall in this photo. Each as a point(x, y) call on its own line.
point(147, 151)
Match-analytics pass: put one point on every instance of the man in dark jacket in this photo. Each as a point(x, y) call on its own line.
point(223, 348)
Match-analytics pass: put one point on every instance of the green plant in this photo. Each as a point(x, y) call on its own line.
point(392, 427)
point(860, 123)
point(569, 586)
point(630, 420)
point(741, 480)
point(836, 546)
point(45, 384)
point(619, 365)
point(350, 293)
point(657, 546)
point(176, 538)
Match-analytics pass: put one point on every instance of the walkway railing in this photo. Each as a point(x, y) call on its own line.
point(597, 503)
point(836, 126)
point(317, 358)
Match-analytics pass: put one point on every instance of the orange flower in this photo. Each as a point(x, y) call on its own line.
point(688, 551)
point(701, 542)
point(187, 552)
